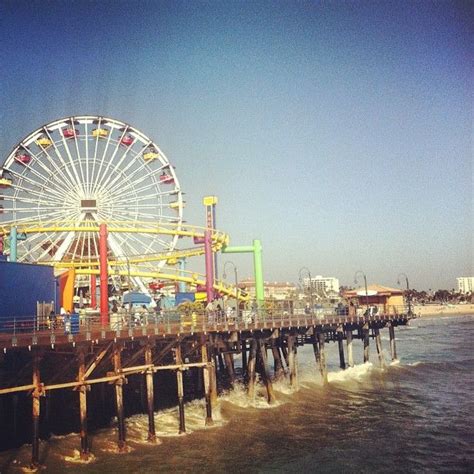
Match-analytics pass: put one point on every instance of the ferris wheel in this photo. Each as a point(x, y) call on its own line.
point(74, 173)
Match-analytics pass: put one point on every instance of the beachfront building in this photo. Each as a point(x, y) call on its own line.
point(272, 290)
point(325, 287)
point(386, 300)
point(465, 284)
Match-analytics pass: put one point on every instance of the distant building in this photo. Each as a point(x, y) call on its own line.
point(323, 286)
point(465, 284)
point(275, 290)
point(387, 300)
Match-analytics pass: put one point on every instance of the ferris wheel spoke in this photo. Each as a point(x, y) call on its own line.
point(105, 173)
point(72, 181)
point(109, 177)
point(134, 183)
point(34, 186)
point(102, 167)
point(59, 176)
point(78, 154)
point(111, 186)
point(77, 180)
point(95, 160)
point(118, 192)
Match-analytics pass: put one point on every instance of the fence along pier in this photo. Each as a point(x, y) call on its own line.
point(40, 362)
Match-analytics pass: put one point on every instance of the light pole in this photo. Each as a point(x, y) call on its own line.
point(224, 276)
point(307, 270)
point(408, 289)
point(360, 272)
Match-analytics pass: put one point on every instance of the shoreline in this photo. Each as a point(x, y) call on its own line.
point(443, 310)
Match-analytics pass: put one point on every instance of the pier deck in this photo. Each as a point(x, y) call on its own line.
point(38, 360)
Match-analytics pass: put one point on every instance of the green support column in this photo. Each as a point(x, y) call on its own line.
point(256, 249)
point(257, 262)
point(13, 243)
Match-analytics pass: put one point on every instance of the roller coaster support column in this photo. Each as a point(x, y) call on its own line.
point(13, 242)
point(104, 290)
point(182, 268)
point(209, 266)
point(256, 249)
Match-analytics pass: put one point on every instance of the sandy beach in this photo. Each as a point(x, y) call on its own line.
point(443, 310)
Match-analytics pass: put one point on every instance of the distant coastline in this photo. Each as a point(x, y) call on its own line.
point(443, 310)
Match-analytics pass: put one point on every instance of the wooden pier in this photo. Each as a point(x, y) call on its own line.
point(43, 361)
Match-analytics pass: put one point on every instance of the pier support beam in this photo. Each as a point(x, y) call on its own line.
point(262, 355)
point(292, 363)
point(393, 347)
point(83, 406)
point(350, 355)
point(122, 444)
point(150, 395)
point(365, 337)
point(278, 364)
point(207, 384)
point(244, 357)
point(378, 345)
point(251, 368)
point(35, 411)
point(229, 362)
point(179, 380)
point(340, 343)
point(213, 375)
point(322, 357)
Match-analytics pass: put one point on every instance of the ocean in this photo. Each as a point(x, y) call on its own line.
point(414, 415)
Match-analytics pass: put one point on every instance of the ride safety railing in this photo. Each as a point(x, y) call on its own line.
point(88, 325)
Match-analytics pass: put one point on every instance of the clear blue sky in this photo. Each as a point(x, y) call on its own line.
point(339, 133)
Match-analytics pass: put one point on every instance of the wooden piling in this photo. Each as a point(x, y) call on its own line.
point(122, 445)
point(150, 394)
point(213, 378)
point(251, 368)
point(244, 357)
point(262, 355)
point(322, 358)
point(35, 411)
point(221, 362)
point(393, 347)
point(365, 336)
point(179, 380)
point(83, 405)
point(277, 362)
point(317, 355)
point(340, 343)
point(229, 363)
point(350, 355)
point(292, 364)
point(284, 352)
point(207, 384)
point(378, 345)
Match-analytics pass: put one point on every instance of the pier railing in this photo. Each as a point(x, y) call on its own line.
point(87, 325)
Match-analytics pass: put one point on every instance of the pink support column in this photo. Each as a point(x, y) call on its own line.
point(104, 277)
point(209, 265)
point(93, 291)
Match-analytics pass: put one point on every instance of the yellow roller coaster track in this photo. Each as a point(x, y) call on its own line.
point(90, 267)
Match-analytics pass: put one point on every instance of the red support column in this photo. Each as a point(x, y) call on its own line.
point(93, 291)
point(104, 277)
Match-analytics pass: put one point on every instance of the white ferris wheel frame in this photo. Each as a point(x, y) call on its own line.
point(85, 179)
